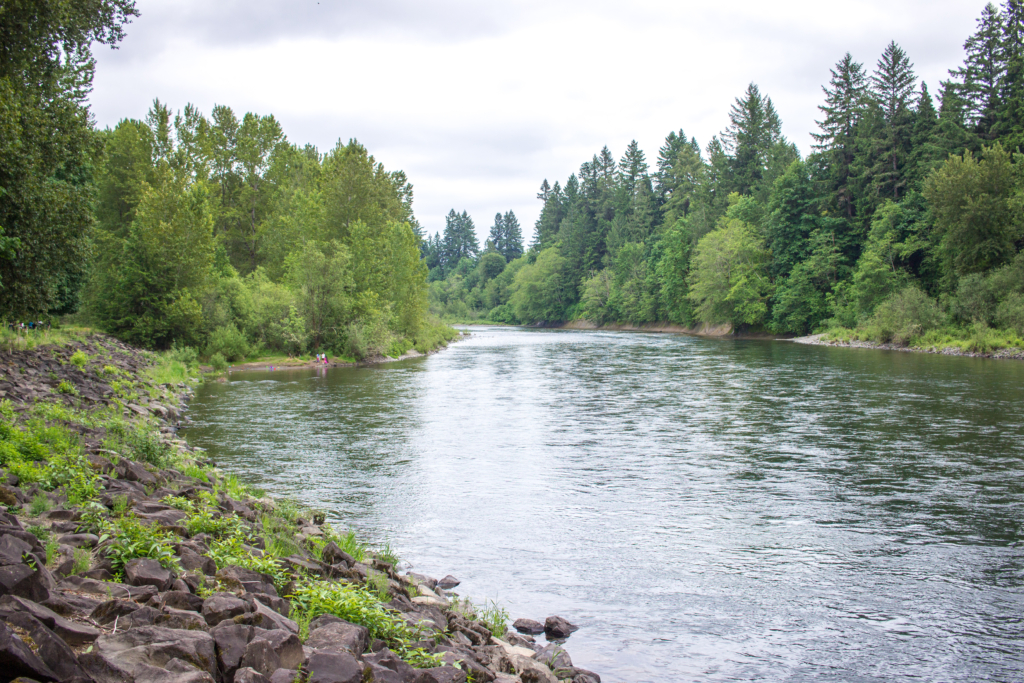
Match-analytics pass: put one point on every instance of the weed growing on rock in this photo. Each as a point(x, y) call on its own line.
point(39, 531)
point(66, 387)
point(388, 554)
point(378, 584)
point(82, 561)
point(495, 618)
point(52, 547)
point(231, 550)
point(128, 539)
point(79, 359)
point(40, 504)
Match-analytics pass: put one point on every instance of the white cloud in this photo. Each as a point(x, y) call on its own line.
point(478, 102)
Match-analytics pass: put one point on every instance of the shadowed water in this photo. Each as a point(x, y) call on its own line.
point(703, 509)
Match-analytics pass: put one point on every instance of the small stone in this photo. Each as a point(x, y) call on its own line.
point(80, 540)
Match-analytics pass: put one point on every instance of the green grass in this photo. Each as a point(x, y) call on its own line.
point(39, 504)
point(31, 339)
point(494, 617)
point(978, 338)
point(82, 561)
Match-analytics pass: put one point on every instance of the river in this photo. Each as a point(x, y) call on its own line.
point(704, 509)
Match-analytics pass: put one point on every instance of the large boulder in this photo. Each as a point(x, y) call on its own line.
point(339, 636)
point(249, 675)
point(175, 671)
point(250, 581)
point(223, 606)
point(386, 667)
point(441, 674)
point(180, 618)
point(554, 657)
point(231, 641)
point(54, 652)
point(22, 570)
point(143, 571)
point(107, 590)
point(113, 657)
point(264, 617)
point(333, 667)
point(259, 655)
point(178, 600)
point(193, 561)
point(286, 646)
point(17, 659)
point(334, 555)
point(72, 632)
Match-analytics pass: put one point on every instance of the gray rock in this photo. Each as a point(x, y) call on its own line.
point(118, 654)
point(17, 659)
point(530, 670)
point(448, 582)
point(146, 572)
point(248, 675)
point(106, 612)
point(172, 673)
point(279, 605)
point(339, 636)
point(71, 632)
point(252, 582)
point(528, 626)
point(193, 561)
point(231, 640)
point(54, 652)
point(264, 617)
point(584, 676)
point(223, 606)
point(387, 667)
point(557, 627)
point(441, 674)
point(107, 589)
point(178, 600)
point(259, 655)
point(429, 582)
point(554, 657)
point(284, 676)
point(180, 618)
point(286, 645)
point(333, 667)
point(333, 555)
point(80, 540)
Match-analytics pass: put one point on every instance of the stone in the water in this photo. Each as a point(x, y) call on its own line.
point(528, 626)
point(557, 627)
point(448, 582)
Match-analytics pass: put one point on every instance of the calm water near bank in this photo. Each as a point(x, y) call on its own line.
point(704, 509)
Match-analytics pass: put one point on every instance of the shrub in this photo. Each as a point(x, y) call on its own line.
point(131, 539)
point(495, 618)
point(906, 314)
point(79, 359)
point(1010, 313)
point(82, 561)
point(218, 362)
point(229, 342)
point(186, 355)
point(66, 387)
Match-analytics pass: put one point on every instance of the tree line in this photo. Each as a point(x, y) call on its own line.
point(214, 232)
point(905, 217)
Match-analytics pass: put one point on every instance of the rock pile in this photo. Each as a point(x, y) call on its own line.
point(188, 620)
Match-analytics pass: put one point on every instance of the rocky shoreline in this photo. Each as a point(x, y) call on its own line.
point(819, 340)
point(126, 556)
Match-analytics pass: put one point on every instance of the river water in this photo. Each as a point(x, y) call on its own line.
point(713, 510)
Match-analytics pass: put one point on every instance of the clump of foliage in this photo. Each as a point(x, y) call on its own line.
point(129, 539)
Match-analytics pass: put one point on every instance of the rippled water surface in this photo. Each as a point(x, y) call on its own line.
point(703, 509)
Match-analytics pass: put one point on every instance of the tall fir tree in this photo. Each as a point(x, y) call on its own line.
point(983, 74)
point(1009, 127)
point(843, 109)
point(513, 237)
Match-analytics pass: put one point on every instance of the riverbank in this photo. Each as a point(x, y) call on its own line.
point(288, 363)
point(823, 339)
point(127, 556)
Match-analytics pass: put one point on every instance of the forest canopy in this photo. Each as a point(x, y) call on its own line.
point(905, 197)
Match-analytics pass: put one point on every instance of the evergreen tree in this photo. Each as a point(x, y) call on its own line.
point(459, 239)
point(983, 73)
point(923, 154)
point(1010, 116)
point(668, 155)
point(513, 246)
point(843, 108)
point(496, 238)
point(551, 215)
point(753, 132)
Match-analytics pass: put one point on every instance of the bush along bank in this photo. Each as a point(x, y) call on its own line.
point(126, 556)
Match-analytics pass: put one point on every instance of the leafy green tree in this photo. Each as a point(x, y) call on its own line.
point(541, 290)
point(147, 288)
point(321, 276)
point(672, 270)
point(728, 280)
point(971, 200)
point(46, 145)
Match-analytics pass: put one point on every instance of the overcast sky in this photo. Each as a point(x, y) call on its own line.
point(480, 101)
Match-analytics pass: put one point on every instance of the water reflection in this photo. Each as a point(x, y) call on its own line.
point(705, 509)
